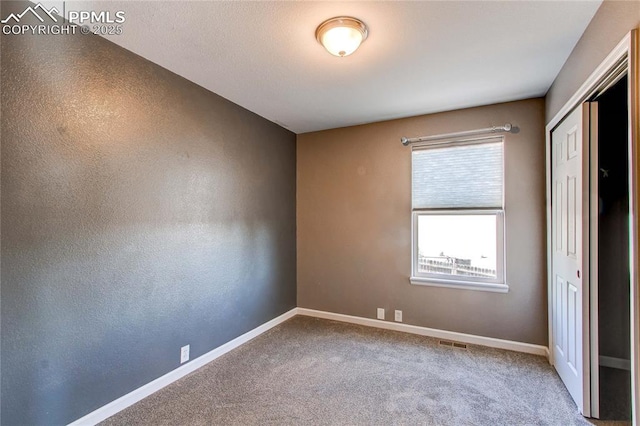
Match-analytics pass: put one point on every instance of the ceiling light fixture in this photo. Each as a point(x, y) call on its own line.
point(342, 35)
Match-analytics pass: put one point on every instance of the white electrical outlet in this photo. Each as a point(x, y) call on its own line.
point(398, 316)
point(184, 354)
point(381, 313)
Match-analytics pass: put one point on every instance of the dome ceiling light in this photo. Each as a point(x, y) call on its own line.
point(342, 35)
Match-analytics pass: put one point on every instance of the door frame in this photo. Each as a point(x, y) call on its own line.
point(627, 50)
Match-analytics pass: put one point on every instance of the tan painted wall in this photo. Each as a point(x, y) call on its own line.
point(611, 22)
point(354, 225)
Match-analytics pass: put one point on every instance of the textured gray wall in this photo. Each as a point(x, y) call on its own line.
point(613, 20)
point(140, 213)
point(354, 225)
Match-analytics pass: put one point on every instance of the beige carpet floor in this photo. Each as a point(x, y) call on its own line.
point(308, 371)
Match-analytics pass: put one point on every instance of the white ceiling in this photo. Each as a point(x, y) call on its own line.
point(420, 57)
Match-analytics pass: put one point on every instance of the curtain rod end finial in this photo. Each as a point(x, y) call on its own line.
point(404, 141)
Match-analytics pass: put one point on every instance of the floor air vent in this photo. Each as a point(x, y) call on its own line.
point(453, 344)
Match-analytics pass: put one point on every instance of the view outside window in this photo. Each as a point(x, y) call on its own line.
point(458, 245)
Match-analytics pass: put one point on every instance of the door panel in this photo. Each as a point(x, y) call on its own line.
point(572, 326)
point(572, 208)
point(594, 211)
point(559, 334)
point(568, 316)
point(560, 205)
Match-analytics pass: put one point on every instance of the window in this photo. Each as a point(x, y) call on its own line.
point(458, 214)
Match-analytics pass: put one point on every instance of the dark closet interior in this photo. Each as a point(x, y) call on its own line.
point(613, 253)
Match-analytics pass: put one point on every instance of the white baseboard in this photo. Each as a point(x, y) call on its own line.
point(131, 398)
point(431, 332)
point(612, 362)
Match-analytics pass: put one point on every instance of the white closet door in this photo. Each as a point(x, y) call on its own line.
point(570, 299)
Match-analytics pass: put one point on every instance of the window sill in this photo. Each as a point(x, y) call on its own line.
point(461, 285)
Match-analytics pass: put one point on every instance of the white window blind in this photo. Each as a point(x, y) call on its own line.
point(458, 176)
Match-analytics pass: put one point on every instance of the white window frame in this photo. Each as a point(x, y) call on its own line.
point(474, 283)
point(497, 284)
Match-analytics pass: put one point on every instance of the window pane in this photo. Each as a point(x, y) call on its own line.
point(461, 245)
point(459, 176)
